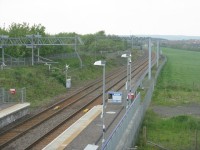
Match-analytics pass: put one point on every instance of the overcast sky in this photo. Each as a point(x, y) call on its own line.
point(119, 17)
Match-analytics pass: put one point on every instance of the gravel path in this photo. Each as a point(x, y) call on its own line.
point(167, 111)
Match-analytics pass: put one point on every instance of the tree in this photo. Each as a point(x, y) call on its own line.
point(21, 30)
point(3, 31)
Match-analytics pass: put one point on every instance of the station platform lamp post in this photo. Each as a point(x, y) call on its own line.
point(128, 81)
point(103, 64)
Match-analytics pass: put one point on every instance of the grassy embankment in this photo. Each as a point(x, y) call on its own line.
point(178, 85)
point(42, 85)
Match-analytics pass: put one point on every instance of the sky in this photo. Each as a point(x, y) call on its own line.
point(119, 17)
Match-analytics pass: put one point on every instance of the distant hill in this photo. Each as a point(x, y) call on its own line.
point(171, 37)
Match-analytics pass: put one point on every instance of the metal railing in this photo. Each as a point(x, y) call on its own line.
point(12, 95)
point(125, 134)
point(121, 128)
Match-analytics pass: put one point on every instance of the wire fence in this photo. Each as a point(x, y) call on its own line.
point(27, 61)
point(126, 132)
point(62, 56)
point(12, 61)
point(12, 95)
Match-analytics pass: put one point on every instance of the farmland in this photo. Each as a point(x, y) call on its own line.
point(178, 87)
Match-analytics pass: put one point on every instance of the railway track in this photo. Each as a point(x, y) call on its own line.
point(83, 98)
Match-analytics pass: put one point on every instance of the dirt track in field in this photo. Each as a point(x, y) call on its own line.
point(167, 111)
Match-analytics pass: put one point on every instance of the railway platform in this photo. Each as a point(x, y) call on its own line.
point(86, 133)
point(74, 130)
point(9, 112)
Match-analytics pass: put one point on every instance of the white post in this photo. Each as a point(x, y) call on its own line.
point(149, 58)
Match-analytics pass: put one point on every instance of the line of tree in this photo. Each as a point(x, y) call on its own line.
point(92, 42)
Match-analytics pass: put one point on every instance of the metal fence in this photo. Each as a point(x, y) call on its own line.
point(125, 134)
point(12, 61)
point(12, 95)
point(63, 55)
point(114, 139)
point(27, 61)
point(2, 95)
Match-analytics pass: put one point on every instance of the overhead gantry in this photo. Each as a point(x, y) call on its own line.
point(36, 41)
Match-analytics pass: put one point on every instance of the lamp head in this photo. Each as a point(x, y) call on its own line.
point(126, 55)
point(67, 66)
point(100, 63)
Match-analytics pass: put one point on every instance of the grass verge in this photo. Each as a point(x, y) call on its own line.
point(43, 86)
point(178, 84)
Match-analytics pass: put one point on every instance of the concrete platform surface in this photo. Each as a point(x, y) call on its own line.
point(11, 109)
point(13, 112)
point(74, 130)
point(92, 134)
point(6, 105)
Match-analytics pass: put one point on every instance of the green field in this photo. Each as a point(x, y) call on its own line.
point(178, 85)
point(179, 81)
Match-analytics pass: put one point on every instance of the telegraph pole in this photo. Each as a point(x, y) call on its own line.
point(157, 56)
point(149, 58)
